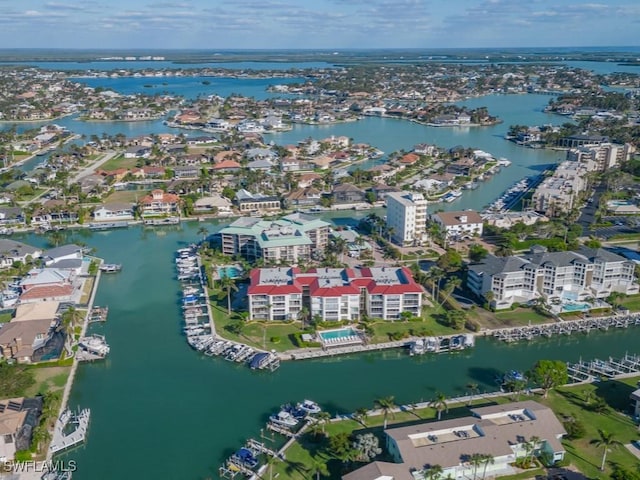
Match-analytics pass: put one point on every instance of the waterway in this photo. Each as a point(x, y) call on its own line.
point(161, 410)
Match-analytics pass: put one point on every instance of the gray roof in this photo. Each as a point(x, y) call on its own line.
point(558, 259)
point(67, 264)
point(16, 248)
point(492, 265)
point(62, 251)
point(600, 254)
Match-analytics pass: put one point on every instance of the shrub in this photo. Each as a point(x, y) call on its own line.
point(472, 325)
point(274, 339)
point(23, 456)
point(575, 429)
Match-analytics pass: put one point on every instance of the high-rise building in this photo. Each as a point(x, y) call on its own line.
point(406, 217)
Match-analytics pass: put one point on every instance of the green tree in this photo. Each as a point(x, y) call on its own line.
point(228, 285)
point(486, 461)
point(606, 441)
point(450, 261)
point(340, 447)
point(548, 374)
point(386, 404)
point(477, 252)
point(14, 380)
point(434, 472)
point(318, 467)
point(439, 404)
point(361, 415)
point(203, 232)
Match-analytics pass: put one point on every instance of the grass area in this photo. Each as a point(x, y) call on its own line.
point(429, 326)
point(48, 379)
point(575, 401)
point(119, 162)
point(6, 317)
point(625, 236)
point(521, 316)
point(125, 196)
point(632, 303)
point(86, 290)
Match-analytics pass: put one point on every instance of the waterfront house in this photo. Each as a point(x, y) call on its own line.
point(303, 197)
point(159, 203)
point(12, 217)
point(256, 202)
point(220, 204)
point(12, 251)
point(333, 294)
point(186, 172)
point(18, 419)
point(347, 193)
point(459, 225)
point(69, 255)
point(292, 238)
point(307, 179)
point(137, 151)
point(31, 329)
point(566, 276)
point(114, 212)
point(502, 432)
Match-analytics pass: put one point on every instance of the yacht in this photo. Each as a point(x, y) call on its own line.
point(284, 419)
point(418, 347)
point(309, 406)
point(95, 344)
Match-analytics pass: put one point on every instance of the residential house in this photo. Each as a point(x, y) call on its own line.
point(31, 329)
point(256, 202)
point(12, 252)
point(227, 166)
point(459, 225)
point(137, 151)
point(114, 212)
point(220, 204)
point(159, 203)
point(347, 193)
point(186, 171)
point(18, 419)
point(303, 197)
point(12, 217)
point(66, 257)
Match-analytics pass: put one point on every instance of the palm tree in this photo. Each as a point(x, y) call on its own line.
point(203, 232)
point(473, 389)
point(451, 284)
point(386, 404)
point(318, 467)
point(322, 418)
point(439, 404)
point(228, 284)
point(487, 460)
point(476, 460)
point(361, 415)
point(533, 441)
point(434, 472)
point(607, 441)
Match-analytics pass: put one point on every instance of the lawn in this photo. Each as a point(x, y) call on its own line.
point(86, 290)
point(565, 402)
point(632, 303)
point(48, 379)
point(429, 326)
point(125, 196)
point(119, 162)
point(521, 316)
point(6, 316)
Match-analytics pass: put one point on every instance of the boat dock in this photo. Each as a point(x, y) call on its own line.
point(92, 347)
point(107, 225)
point(442, 344)
point(157, 222)
point(63, 439)
point(594, 370)
point(98, 314)
point(566, 327)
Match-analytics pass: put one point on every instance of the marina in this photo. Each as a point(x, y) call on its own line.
point(443, 344)
point(566, 327)
point(597, 370)
point(70, 430)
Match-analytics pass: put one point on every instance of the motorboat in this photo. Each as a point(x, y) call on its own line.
point(432, 344)
point(309, 406)
point(284, 419)
point(295, 411)
point(417, 347)
point(245, 457)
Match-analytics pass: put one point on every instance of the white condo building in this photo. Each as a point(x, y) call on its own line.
point(407, 217)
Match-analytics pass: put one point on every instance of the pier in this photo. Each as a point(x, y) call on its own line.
point(61, 439)
point(567, 327)
point(594, 370)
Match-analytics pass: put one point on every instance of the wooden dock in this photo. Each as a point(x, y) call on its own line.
point(593, 370)
point(61, 440)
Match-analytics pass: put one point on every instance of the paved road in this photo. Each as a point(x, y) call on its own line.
point(85, 172)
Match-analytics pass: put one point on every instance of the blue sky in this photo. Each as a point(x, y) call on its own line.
point(322, 24)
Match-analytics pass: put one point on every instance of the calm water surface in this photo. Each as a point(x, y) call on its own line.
point(161, 410)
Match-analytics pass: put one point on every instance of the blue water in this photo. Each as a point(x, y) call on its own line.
point(575, 307)
point(337, 334)
point(190, 87)
point(161, 65)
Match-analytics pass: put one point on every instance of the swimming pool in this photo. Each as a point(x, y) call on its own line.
point(229, 271)
point(575, 307)
point(339, 334)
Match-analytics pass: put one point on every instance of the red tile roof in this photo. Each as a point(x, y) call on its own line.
point(47, 291)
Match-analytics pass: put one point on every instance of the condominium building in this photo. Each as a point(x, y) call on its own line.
point(333, 294)
point(406, 217)
point(501, 432)
point(586, 273)
point(559, 192)
point(603, 155)
point(289, 240)
point(459, 225)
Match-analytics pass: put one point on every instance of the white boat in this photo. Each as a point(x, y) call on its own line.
point(432, 344)
point(95, 344)
point(418, 347)
point(309, 406)
point(283, 418)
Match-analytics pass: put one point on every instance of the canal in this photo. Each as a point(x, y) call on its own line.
point(161, 410)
